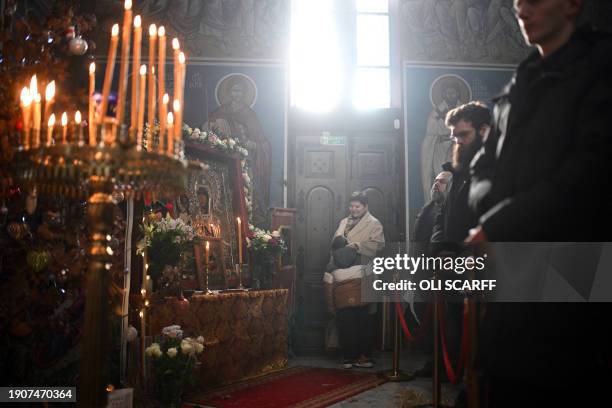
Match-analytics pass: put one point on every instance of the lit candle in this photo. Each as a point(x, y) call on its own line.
point(33, 86)
point(176, 108)
point(239, 223)
point(206, 252)
point(125, 55)
point(161, 72)
point(141, 104)
point(163, 115)
point(108, 75)
point(90, 118)
point(33, 93)
point(49, 97)
point(78, 127)
point(149, 284)
point(26, 108)
point(64, 127)
point(36, 135)
point(50, 125)
point(182, 68)
point(176, 48)
point(151, 83)
point(170, 133)
point(135, 107)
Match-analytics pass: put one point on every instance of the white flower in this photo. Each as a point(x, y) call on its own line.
point(200, 339)
point(276, 234)
point(187, 346)
point(199, 348)
point(172, 352)
point(267, 237)
point(153, 350)
point(231, 142)
point(168, 329)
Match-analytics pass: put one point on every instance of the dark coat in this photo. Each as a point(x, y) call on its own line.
point(454, 222)
point(548, 181)
point(543, 171)
point(424, 222)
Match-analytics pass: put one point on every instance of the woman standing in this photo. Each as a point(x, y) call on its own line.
point(364, 234)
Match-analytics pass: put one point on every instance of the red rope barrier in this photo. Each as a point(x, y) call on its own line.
point(450, 373)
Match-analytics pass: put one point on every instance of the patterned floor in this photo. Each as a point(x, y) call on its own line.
point(389, 394)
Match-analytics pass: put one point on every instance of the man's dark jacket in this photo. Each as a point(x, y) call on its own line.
point(549, 182)
point(454, 222)
point(553, 121)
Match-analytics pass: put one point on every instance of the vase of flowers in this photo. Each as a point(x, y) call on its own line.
point(165, 240)
point(173, 360)
point(265, 249)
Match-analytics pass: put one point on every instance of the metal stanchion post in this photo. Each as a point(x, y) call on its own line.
point(396, 374)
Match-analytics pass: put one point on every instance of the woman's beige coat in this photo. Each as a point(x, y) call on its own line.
point(367, 234)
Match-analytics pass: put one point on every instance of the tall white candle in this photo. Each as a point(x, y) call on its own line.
point(125, 55)
point(108, 74)
point(135, 107)
point(91, 120)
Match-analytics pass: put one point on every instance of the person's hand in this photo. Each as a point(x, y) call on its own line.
point(353, 245)
point(478, 241)
point(477, 236)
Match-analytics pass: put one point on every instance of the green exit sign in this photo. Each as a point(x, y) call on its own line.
point(327, 139)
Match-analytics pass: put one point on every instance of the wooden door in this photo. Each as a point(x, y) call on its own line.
point(324, 176)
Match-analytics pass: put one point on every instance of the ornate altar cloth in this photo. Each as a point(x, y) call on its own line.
point(246, 332)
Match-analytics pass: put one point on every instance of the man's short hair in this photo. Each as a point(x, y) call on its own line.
point(360, 197)
point(476, 113)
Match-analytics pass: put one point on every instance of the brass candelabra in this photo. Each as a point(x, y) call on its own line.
point(103, 157)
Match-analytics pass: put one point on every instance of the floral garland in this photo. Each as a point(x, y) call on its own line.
point(225, 145)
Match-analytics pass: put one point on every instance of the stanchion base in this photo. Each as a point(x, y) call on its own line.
point(396, 376)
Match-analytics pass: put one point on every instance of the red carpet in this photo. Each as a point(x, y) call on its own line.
point(297, 387)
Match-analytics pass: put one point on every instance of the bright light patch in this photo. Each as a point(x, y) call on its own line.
point(373, 40)
point(371, 88)
point(315, 58)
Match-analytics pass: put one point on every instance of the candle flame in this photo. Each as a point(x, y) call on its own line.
point(27, 99)
point(128, 4)
point(137, 21)
point(152, 30)
point(207, 244)
point(170, 118)
point(238, 220)
point(115, 30)
point(64, 119)
point(175, 43)
point(25, 94)
point(161, 31)
point(77, 117)
point(141, 314)
point(50, 91)
point(51, 121)
point(143, 70)
point(182, 57)
point(176, 105)
point(143, 292)
point(165, 99)
point(92, 68)
point(33, 86)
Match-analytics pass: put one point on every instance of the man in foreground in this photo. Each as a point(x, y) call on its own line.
point(536, 180)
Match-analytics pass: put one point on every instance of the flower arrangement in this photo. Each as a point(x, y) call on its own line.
point(165, 239)
point(265, 248)
point(226, 144)
point(173, 359)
